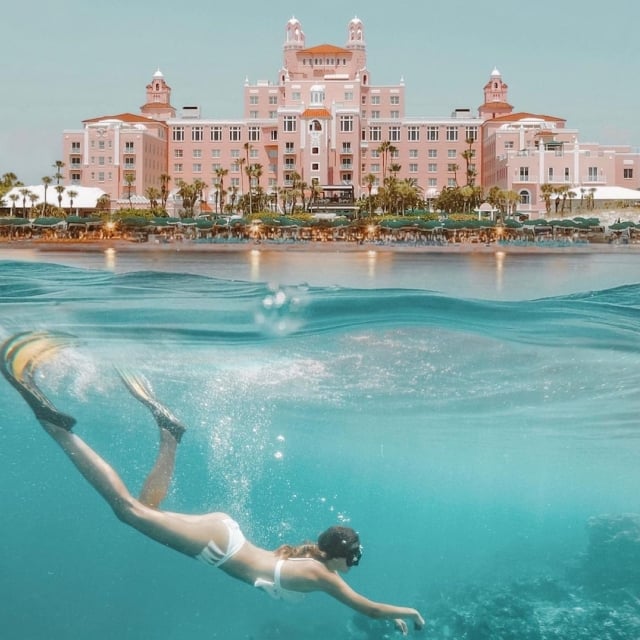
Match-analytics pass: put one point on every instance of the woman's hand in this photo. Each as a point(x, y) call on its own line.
point(401, 625)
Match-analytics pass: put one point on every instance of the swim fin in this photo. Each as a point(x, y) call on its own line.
point(20, 357)
point(140, 389)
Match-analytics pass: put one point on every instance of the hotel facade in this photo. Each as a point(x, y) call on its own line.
point(324, 122)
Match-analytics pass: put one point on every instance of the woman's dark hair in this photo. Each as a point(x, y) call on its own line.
point(335, 542)
point(338, 542)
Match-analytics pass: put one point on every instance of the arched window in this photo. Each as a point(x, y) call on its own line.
point(525, 197)
point(315, 125)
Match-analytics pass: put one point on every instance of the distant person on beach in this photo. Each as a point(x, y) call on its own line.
point(286, 573)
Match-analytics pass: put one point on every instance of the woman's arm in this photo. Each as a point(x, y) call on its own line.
point(332, 584)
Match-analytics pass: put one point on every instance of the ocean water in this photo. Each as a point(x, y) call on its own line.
point(470, 416)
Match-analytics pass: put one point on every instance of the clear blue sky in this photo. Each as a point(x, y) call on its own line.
point(70, 60)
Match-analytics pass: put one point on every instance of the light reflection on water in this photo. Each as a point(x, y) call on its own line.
point(499, 275)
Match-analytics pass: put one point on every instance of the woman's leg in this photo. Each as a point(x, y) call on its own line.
point(171, 430)
point(20, 356)
point(157, 483)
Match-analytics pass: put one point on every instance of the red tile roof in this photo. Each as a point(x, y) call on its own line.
point(323, 49)
point(522, 115)
point(125, 117)
point(316, 113)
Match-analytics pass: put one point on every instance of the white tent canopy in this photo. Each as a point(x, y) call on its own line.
point(86, 199)
point(608, 193)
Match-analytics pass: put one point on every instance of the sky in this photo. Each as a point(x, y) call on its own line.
point(70, 60)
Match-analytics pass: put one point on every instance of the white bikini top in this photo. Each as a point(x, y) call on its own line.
point(275, 589)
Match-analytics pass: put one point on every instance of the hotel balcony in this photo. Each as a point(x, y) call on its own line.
point(346, 151)
point(346, 166)
point(289, 166)
point(591, 179)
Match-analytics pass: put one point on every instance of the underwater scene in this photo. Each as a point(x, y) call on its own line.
point(485, 447)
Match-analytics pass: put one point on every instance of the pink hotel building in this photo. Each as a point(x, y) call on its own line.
point(324, 120)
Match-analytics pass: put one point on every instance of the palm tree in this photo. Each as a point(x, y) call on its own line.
point(546, 190)
point(153, 194)
point(468, 155)
point(46, 181)
point(241, 162)
point(386, 149)
point(72, 194)
point(220, 174)
point(34, 198)
point(60, 190)
point(57, 165)
point(129, 179)
point(25, 194)
point(369, 181)
point(14, 197)
point(164, 188)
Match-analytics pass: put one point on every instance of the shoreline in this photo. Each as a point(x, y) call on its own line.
point(125, 246)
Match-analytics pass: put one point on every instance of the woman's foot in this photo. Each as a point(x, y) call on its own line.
point(20, 356)
point(140, 389)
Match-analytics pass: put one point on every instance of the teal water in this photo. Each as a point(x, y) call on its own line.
point(468, 439)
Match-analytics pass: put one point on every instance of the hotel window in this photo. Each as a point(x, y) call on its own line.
point(235, 153)
point(451, 153)
point(452, 134)
point(101, 161)
point(197, 134)
point(100, 144)
point(627, 174)
point(413, 134)
point(348, 96)
point(289, 147)
point(215, 167)
point(315, 151)
point(197, 167)
point(254, 134)
point(177, 135)
point(315, 166)
point(177, 168)
point(432, 134)
point(178, 153)
point(273, 135)
point(432, 167)
point(508, 144)
point(375, 134)
point(432, 153)
point(375, 115)
point(413, 153)
point(550, 175)
point(129, 147)
point(273, 99)
point(215, 153)
point(346, 124)
point(235, 167)
point(523, 174)
point(452, 167)
point(295, 95)
point(394, 99)
point(235, 134)
point(75, 178)
point(253, 115)
point(346, 147)
point(413, 167)
point(432, 182)
point(375, 167)
point(289, 124)
point(253, 99)
point(235, 182)
point(395, 115)
point(394, 134)
point(75, 147)
point(567, 176)
point(375, 99)
point(101, 176)
point(216, 134)
point(253, 153)
point(395, 154)
point(451, 182)
point(471, 133)
point(273, 115)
